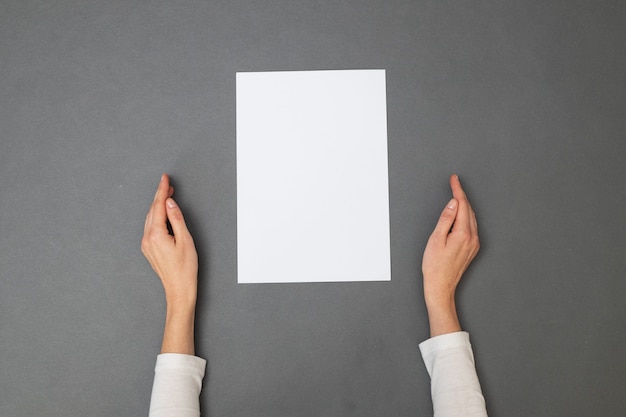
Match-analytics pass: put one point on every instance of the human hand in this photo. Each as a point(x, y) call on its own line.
point(451, 248)
point(173, 258)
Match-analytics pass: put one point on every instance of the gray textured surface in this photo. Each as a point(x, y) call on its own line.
point(526, 100)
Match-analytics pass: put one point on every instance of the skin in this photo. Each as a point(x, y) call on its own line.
point(175, 261)
point(450, 249)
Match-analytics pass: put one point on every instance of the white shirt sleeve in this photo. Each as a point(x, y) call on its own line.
point(449, 361)
point(177, 385)
point(454, 384)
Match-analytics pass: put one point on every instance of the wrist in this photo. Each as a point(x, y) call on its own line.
point(181, 300)
point(439, 299)
point(180, 308)
point(178, 336)
point(442, 316)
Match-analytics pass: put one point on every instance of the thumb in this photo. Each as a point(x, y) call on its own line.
point(446, 220)
point(175, 216)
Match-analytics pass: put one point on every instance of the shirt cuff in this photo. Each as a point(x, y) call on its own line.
point(181, 362)
point(177, 385)
point(444, 341)
point(449, 345)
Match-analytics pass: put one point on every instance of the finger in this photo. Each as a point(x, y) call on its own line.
point(175, 216)
point(462, 222)
point(474, 224)
point(149, 216)
point(457, 189)
point(163, 188)
point(148, 221)
point(446, 220)
point(159, 215)
point(157, 208)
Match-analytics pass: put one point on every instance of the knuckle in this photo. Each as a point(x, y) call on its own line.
point(446, 215)
point(465, 235)
point(150, 239)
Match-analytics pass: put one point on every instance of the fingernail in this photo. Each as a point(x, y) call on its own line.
point(452, 204)
point(171, 203)
point(162, 177)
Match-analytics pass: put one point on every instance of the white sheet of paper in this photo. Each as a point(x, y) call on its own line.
point(312, 177)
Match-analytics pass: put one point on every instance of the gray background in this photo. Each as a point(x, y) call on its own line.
point(525, 100)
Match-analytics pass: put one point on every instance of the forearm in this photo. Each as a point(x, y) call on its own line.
point(178, 335)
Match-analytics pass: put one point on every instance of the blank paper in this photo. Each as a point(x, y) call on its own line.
point(312, 177)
